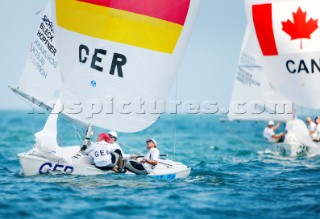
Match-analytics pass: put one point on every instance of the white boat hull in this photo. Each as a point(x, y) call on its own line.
point(292, 150)
point(80, 164)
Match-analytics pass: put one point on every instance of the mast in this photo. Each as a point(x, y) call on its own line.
point(86, 141)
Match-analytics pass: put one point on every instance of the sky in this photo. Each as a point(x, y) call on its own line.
point(207, 71)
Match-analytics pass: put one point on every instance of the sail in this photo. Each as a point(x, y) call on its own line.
point(119, 58)
point(41, 76)
point(301, 135)
point(252, 97)
point(288, 35)
point(46, 139)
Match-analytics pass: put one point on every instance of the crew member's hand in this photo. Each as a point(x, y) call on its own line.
point(133, 156)
point(143, 160)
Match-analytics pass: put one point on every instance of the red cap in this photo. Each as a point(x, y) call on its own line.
point(104, 136)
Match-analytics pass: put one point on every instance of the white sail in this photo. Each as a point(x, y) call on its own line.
point(41, 79)
point(252, 97)
point(46, 139)
point(117, 58)
point(288, 34)
point(299, 130)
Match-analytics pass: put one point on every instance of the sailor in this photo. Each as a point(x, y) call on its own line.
point(269, 133)
point(316, 129)
point(99, 151)
point(149, 161)
point(115, 148)
point(311, 128)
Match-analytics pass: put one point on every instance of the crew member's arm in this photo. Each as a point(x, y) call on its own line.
point(311, 132)
point(278, 136)
point(154, 157)
point(276, 126)
point(152, 162)
point(127, 157)
point(88, 150)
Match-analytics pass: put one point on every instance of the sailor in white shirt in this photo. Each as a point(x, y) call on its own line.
point(114, 147)
point(149, 161)
point(270, 135)
point(103, 159)
point(112, 142)
point(311, 128)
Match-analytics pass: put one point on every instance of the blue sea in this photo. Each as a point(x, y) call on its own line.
point(234, 175)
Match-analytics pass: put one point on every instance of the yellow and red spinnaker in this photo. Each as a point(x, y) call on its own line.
point(149, 24)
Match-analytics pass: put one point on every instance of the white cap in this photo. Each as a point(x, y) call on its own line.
point(270, 122)
point(113, 133)
point(151, 139)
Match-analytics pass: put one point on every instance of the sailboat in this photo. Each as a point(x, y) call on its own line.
point(265, 78)
point(97, 62)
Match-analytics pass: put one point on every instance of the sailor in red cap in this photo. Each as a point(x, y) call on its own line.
point(103, 159)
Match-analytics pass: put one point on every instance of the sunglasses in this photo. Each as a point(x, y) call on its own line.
point(111, 136)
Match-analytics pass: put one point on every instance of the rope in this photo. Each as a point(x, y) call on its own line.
point(77, 132)
point(175, 123)
point(175, 137)
point(237, 137)
point(131, 148)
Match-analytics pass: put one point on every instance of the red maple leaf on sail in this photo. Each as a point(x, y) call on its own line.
point(300, 29)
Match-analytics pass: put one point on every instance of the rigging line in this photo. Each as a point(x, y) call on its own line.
point(38, 12)
point(175, 121)
point(174, 137)
point(131, 148)
point(76, 129)
point(295, 112)
point(238, 137)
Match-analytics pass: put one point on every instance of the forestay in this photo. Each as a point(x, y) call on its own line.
point(119, 57)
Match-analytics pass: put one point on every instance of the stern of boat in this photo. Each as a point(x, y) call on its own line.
point(168, 169)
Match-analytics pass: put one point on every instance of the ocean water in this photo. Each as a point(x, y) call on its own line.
point(234, 175)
